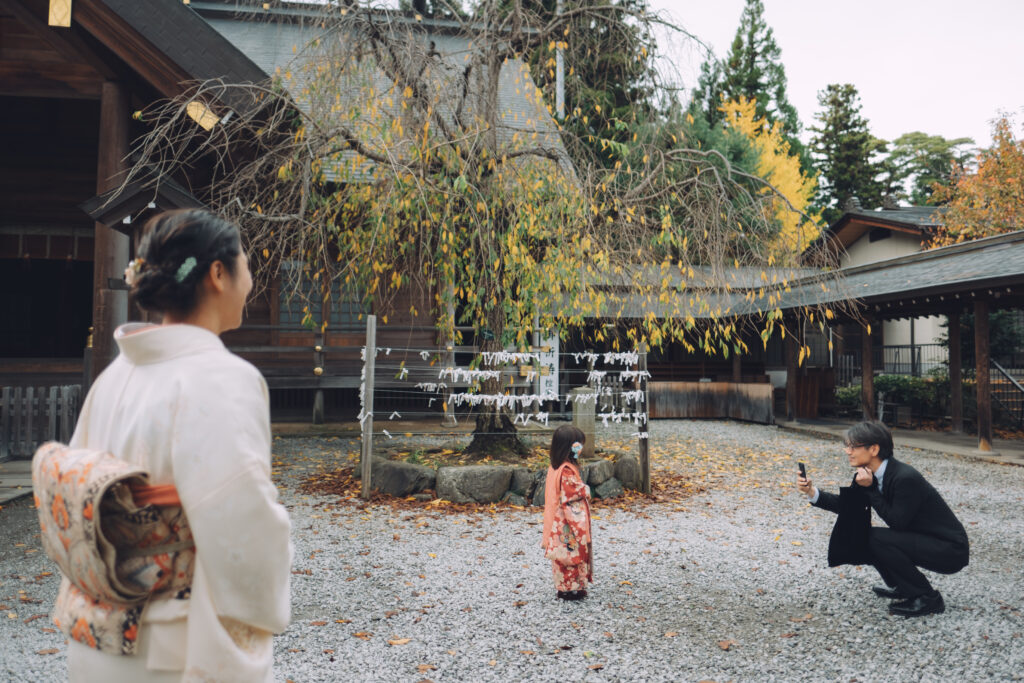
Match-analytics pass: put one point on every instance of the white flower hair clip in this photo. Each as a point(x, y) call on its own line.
point(131, 273)
point(184, 269)
point(576, 449)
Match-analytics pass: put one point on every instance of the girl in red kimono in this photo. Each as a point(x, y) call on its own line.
point(566, 539)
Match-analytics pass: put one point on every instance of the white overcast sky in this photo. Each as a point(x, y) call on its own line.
point(944, 67)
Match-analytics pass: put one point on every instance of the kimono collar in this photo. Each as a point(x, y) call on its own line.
point(143, 343)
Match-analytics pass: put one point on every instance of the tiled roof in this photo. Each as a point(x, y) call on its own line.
point(187, 39)
point(927, 280)
point(912, 216)
point(924, 283)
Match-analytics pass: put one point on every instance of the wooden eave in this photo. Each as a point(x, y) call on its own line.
point(113, 207)
point(134, 50)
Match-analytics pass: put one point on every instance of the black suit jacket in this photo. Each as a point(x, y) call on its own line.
point(907, 502)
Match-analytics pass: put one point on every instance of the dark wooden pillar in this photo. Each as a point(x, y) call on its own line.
point(791, 373)
point(109, 306)
point(867, 372)
point(981, 353)
point(956, 379)
point(737, 367)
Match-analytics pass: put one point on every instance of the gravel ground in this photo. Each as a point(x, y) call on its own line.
point(727, 584)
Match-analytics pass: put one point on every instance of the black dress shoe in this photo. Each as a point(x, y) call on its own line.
point(919, 606)
point(887, 592)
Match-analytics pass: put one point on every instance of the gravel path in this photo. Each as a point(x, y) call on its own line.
point(728, 584)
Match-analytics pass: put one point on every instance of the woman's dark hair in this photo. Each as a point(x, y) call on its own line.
point(177, 249)
point(870, 433)
point(561, 444)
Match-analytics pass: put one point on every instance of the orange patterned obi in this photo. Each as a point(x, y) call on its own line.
point(118, 542)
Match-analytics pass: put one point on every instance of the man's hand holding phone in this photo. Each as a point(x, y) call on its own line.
point(803, 484)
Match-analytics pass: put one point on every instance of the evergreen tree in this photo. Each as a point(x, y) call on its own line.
point(920, 161)
point(844, 150)
point(439, 9)
point(608, 74)
point(752, 71)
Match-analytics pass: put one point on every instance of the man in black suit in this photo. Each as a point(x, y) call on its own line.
point(922, 532)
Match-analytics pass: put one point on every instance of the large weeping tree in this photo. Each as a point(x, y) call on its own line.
point(391, 158)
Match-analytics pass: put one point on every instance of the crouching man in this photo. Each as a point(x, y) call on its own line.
point(922, 532)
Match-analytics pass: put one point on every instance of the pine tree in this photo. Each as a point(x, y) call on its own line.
point(753, 71)
point(920, 161)
point(844, 150)
point(608, 72)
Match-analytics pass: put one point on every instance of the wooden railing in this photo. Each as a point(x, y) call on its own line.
point(30, 416)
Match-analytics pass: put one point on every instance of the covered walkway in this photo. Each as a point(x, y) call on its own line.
point(964, 445)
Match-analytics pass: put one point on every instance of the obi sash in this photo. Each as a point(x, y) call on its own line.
point(118, 541)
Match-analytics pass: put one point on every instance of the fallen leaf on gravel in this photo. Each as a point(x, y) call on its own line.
point(596, 667)
point(671, 634)
point(519, 603)
point(363, 634)
point(451, 652)
point(726, 644)
point(803, 618)
point(318, 623)
point(304, 572)
point(424, 668)
point(34, 617)
point(342, 621)
point(48, 630)
point(625, 583)
point(493, 662)
point(399, 641)
point(12, 615)
point(608, 634)
point(527, 652)
point(48, 651)
point(797, 542)
point(787, 635)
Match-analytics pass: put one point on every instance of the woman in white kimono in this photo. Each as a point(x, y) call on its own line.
point(176, 402)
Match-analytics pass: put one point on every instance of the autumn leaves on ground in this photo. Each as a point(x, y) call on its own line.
point(680, 467)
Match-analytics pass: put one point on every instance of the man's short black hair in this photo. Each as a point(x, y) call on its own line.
point(870, 433)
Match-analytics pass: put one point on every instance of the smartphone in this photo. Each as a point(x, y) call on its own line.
point(803, 470)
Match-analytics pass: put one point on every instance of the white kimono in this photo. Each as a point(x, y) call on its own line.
point(179, 404)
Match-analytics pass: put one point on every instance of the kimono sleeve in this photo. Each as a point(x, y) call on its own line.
point(221, 459)
point(574, 495)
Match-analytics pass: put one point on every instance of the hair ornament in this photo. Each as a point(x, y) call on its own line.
point(131, 273)
point(184, 269)
point(576, 449)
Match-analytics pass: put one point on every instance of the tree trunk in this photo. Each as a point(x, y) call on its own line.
point(495, 435)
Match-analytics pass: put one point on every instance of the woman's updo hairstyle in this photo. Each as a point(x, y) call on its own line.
point(177, 250)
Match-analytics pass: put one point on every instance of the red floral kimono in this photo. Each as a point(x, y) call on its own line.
point(567, 541)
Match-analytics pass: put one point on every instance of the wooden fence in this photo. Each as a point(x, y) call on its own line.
point(740, 401)
point(30, 416)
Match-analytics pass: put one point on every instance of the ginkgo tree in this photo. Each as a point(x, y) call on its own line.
point(387, 158)
point(781, 166)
